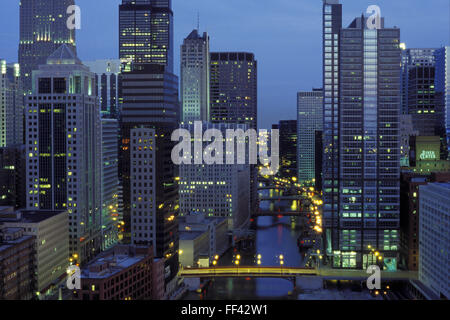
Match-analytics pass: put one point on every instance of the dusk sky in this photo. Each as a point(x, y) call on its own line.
point(285, 36)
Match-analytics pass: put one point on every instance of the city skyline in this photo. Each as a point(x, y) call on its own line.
point(278, 79)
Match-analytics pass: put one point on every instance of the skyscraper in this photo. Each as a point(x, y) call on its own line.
point(332, 24)
point(150, 190)
point(146, 32)
point(64, 150)
point(442, 83)
point(195, 69)
point(234, 97)
point(107, 73)
point(365, 210)
point(11, 105)
point(413, 57)
point(309, 121)
point(288, 147)
point(43, 28)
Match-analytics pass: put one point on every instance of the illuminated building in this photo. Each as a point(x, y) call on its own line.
point(150, 192)
point(434, 244)
point(11, 105)
point(234, 98)
point(442, 83)
point(195, 70)
point(123, 272)
point(43, 29)
point(410, 213)
point(111, 192)
point(63, 148)
point(288, 147)
point(12, 176)
point(50, 231)
point(412, 58)
point(361, 141)
point(202, 239)
point(146, 32)
point(216, 190)
point(309, 121)
point(107, 73)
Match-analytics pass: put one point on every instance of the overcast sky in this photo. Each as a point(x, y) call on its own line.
point(285, 36)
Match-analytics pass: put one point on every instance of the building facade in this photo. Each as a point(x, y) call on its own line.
point(442, 84)
point(366, 209)
point(309, 121)
point(112, 218)
point(11, 105)
point(150, 107)
point(195, 70)
point(51, 234)
point(63, 149)
point(107, 76)
point(43, 29)
point(434, 243)
point(146, 32)
point(17, 258)
point(288, 147)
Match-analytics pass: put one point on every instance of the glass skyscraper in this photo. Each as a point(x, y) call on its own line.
point(365, 211)
point(43, 28)
point(442, 82)
point(146, 32)
point(309, 121)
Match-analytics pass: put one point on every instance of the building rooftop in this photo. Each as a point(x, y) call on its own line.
point(113, 261)
point(63, 55)
point(190, 235)
point(27, 216)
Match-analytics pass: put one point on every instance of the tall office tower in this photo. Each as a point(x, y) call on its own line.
point(425, 112)
point(43, 28)
point(195, 70)
point(332, 24)
point(367, 211)
point(288, 147)
point(434, 244)
point(146, 32)
point(413, 57)
point(11, 105)
point(150, 106)
point(64, 150)
point(309, 121)
point(111, 192)
point(442, 86)
point(234, 97)
point(107, 85)
point(234, 88)
point(406, 132)
point(216, 190)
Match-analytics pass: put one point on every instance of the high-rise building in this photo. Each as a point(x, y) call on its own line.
point(11, 105)
point(288, 147)
point(216, 190)
point(361, 156)
point(332, 24)
point(107, 73)
point(413, 57)
point(43, 28)
point(150, 190)
point(146, 32)
point(111, 191)
point(406, 132)
point(434, 244)
point(64, 150)
point(234, 98)
point(234, 88)
point(309, 121)
point(195, 69)
point(442, 87)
